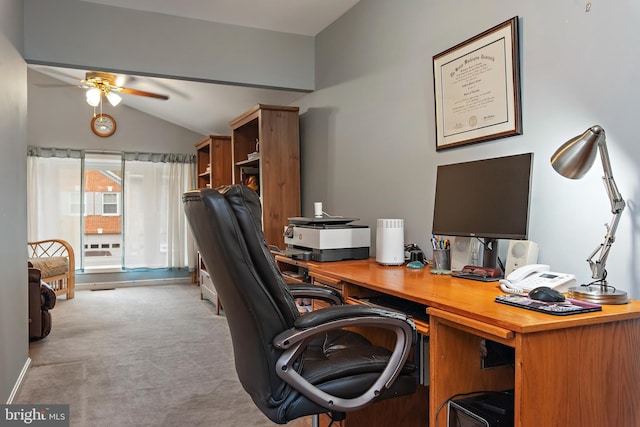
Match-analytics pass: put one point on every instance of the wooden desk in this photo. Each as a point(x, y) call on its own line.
point(579, 370)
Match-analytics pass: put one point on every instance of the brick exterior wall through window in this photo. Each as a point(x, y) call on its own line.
point(97, 182)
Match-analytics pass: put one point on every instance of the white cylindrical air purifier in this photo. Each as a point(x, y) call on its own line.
point(390, 242)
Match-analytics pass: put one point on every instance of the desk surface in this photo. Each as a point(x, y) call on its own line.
point(468, 298)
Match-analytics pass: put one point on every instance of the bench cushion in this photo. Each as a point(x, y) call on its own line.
point(51, 266)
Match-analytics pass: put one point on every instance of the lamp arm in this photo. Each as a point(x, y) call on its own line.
point(617, 206)
point(615, 198)
point(598, 267)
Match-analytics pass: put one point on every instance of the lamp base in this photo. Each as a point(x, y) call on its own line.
point(598, 294)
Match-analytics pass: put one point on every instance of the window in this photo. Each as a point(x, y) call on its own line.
point(102, 219)
point(110, 205)
point(113, 225)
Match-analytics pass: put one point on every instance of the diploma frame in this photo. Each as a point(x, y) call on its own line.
point(477, 88)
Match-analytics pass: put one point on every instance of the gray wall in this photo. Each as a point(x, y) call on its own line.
point(78, 33)
point(13, 192)
point(368, 130)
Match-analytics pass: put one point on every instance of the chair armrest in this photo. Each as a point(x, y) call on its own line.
point(294, 340)
point(34, 274)
point(321, 321)
point(319, 317)
point(323, 293)
point(48, 296)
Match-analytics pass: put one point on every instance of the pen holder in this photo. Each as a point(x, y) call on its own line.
point(442, 260)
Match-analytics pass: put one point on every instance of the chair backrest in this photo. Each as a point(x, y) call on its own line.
point(226, 225)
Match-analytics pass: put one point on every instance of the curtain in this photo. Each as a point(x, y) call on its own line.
point(54, 196)
point(156, 233)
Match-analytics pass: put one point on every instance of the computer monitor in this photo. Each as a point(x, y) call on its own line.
point(487, 199)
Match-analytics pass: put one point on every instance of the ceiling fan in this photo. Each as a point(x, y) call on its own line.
point(100, 84)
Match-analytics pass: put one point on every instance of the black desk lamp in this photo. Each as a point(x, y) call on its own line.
point(572, 160)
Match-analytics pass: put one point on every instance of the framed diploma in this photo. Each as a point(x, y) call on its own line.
point(477, 88)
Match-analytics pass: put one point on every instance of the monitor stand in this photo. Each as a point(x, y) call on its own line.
point(490, 254)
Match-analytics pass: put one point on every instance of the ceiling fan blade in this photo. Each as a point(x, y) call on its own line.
point(140, 92)
point(56, 85)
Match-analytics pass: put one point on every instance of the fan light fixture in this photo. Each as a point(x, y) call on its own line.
point(573, 160)
point(94, 96)
point(105, 85)
point(101, 85)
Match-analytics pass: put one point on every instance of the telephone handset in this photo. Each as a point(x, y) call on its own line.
point(532, 276)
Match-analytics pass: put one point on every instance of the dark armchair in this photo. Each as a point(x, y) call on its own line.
point(291, 365)
point(42, 298)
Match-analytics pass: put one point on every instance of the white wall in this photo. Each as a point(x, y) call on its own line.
point(368, 132)
point(13, 193)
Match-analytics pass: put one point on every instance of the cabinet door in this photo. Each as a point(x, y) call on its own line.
point(207, 290)
point(221, 163)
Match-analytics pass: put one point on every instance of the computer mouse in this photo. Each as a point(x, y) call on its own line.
point(546, 294)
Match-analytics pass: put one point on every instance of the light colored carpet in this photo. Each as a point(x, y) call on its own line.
point(140, 356)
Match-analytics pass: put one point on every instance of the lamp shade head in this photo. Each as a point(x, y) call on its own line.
point(575, 157)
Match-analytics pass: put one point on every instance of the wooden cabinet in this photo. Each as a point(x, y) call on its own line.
point(266, 150)
point(213, 162)
point(213, 169)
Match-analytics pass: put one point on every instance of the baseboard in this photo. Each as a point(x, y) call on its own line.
point(18, 383)
point(133, 283)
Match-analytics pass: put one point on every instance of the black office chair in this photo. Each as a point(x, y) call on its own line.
point(291, 365)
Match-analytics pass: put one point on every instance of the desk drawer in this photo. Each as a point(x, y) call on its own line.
point(320, 279)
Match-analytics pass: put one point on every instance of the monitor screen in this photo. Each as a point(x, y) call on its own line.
point(484, 198)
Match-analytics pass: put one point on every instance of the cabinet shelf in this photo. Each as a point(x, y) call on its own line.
point(250, 162)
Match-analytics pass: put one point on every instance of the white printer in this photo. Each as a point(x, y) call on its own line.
point(326, 239)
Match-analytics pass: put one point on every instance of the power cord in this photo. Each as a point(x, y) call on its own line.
point(331, 216)
point(601, 282)
point(335, 416)
point(484, 245)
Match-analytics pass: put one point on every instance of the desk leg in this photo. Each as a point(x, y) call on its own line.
point(455, 368)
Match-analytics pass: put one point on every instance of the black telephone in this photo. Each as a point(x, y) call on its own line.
point(412, 252)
